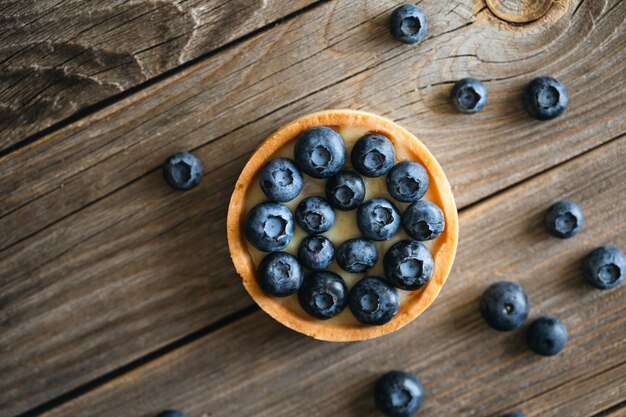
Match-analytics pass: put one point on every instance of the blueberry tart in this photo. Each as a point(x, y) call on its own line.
point(342, 226)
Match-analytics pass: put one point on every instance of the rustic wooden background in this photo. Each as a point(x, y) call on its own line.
point(117, 295)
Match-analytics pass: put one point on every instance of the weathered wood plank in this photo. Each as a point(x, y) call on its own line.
point(247, 368)
point(132, 266)
point(59, 57)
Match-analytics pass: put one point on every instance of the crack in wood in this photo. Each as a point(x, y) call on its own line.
point(580, 3)
point(487, 61)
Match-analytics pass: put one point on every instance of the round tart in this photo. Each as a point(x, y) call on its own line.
point(252, 205)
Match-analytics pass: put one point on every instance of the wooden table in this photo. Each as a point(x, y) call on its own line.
point(117, 294)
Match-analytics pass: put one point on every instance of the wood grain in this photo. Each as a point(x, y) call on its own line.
point(295, 69)
point(94, 241)
point(526, 12)
point(249, 368)
point(57, 57)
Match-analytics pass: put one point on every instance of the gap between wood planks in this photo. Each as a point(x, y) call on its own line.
point(94, 108)
point(245, 312)
point(110, 376)
point(611, 410)
point(556, 387)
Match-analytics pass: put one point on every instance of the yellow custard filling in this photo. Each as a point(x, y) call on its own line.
point(345, 226)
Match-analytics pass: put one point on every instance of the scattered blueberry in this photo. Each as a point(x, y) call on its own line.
point(357, 255)
point(545, 98)
point(316, 252)
point(323, 294)
point(373, 155)
point(269, 226)
point(315, 215)
point(547, 336)
point(182, 171)
point(408, 24)
point(515, 415)
point(279, 274)
point(171, 413)
point(605, 267)
point(407, 181)
point(564, 219)
point(423, 220)
point(504, 305)
point(281, 180)
point(398, 394)
point(408, 265)
point(373, 301)
point(345, 191)
point(320, 152)
point(469, 95)
point(378, 219)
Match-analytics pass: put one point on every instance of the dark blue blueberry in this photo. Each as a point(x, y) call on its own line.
point(373, 301)
point(182, 171)
point(547, 336)
point(408, 23)
point(323, 294)
point(605, 267)
point(345, 191)
point(504, 305)
point(545, 98)
point(408, 265)
point(320, 152)
point(279, 274)
point(357, 255)
point(269, 226)
point(281, 180)
point(171, 413)
point(373, 155)
point(378, 219)
point(564, 219)
point(398, 394)
point(423, 220)
point(407, 181)
point(315, 215)
point(469, 95)
point(515, 415)
point(316, 252)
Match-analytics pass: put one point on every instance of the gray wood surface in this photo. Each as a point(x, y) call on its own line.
point(102, 264)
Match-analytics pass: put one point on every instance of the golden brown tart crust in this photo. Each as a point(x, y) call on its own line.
point(443, 249)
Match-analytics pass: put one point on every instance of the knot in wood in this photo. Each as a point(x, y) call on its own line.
point(525, 12)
